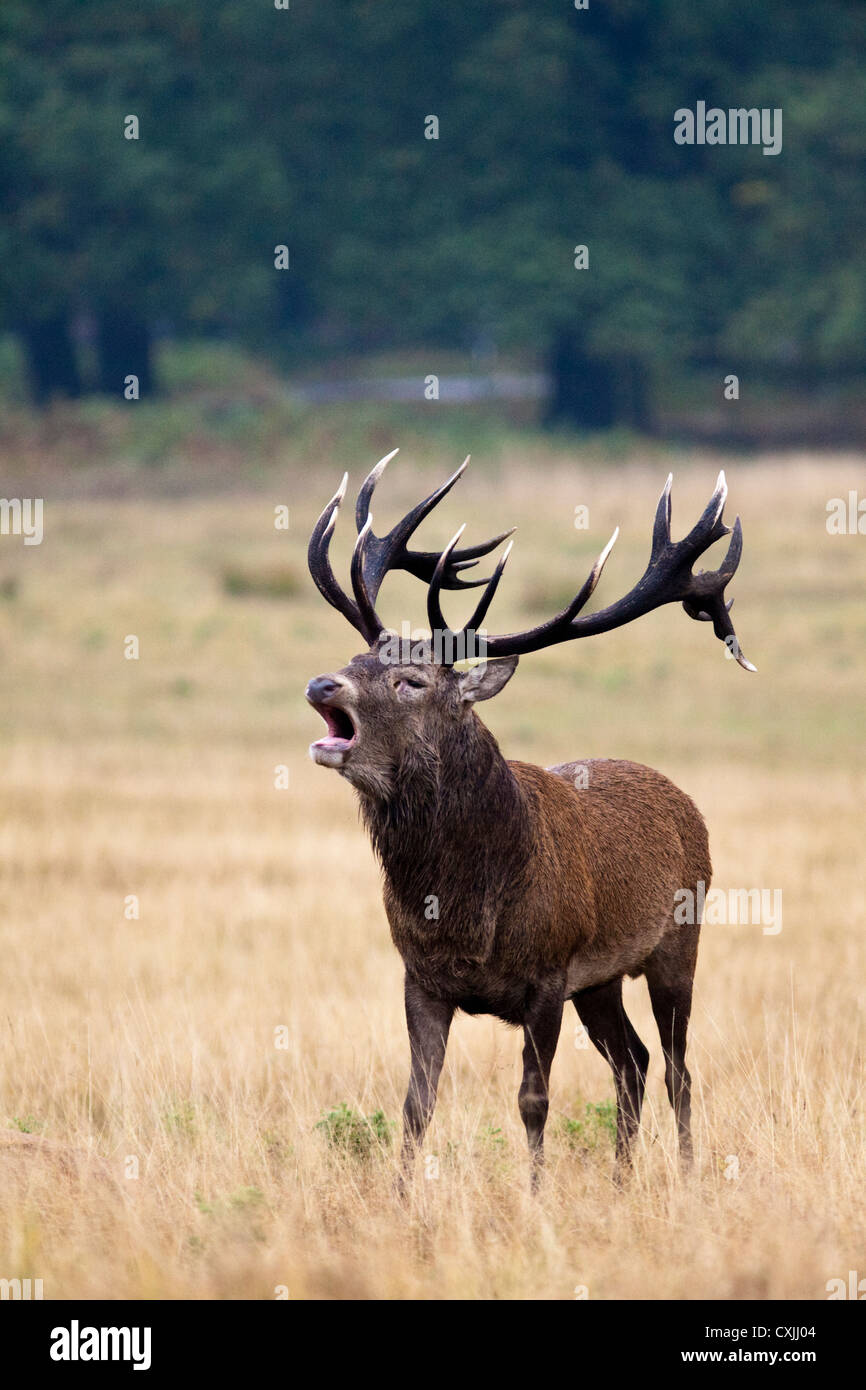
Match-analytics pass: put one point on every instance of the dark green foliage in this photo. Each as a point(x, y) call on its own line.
point(305, 127)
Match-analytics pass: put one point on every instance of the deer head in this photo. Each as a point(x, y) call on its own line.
point(397, 705)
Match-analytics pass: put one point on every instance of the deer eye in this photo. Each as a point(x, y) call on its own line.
point(414, 685)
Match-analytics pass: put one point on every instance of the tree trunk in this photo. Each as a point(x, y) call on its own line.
point(123, 348)
point(594, 393)
point(52, 368)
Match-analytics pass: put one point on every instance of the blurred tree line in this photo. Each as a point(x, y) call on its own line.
point(308, 127)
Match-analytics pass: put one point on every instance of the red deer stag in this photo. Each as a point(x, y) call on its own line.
point(509, 888)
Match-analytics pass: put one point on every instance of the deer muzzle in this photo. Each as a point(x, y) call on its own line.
point(328, 695)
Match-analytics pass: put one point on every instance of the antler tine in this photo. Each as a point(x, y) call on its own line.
point(487, 597)
point(391, 552)
point(662, 523)
point(735, 551)
point(319, 563)
point(593, 577)
point(435, 616)
point(422, 563)
point(388, 552)
point(371, 622)
point(704, 599)
point(707, 604)
point(559, 628)
point(368, 487)
point(710, 527)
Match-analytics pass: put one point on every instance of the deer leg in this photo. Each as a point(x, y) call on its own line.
point(428, 1021)
point(541, 1026)
point(669, 976)
point(610, 1029)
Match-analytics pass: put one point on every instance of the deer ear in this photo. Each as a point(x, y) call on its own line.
point(485, 680)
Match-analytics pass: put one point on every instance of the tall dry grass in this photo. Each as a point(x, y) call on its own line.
point(148, 1045)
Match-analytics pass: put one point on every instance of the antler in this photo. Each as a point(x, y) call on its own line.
point(374, 556)
point(668, 578)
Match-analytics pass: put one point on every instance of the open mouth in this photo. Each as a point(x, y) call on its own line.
point(341, 734)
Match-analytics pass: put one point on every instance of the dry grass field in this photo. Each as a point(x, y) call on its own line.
point(163, 1074)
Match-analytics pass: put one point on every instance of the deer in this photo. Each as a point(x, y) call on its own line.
point(509, 888)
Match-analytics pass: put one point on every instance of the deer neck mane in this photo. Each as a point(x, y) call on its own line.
point(452, 835)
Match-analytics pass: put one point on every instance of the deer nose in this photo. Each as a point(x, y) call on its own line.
point(321, 689)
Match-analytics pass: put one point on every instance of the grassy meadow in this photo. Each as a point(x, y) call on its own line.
point(195, 966)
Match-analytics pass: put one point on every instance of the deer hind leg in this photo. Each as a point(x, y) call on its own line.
point(669, 975)
point(611, 1031)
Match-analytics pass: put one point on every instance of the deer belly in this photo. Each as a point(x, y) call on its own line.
point(595, 967)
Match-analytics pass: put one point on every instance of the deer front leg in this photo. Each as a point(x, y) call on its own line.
point(541, 1027)
point(428, 1021)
